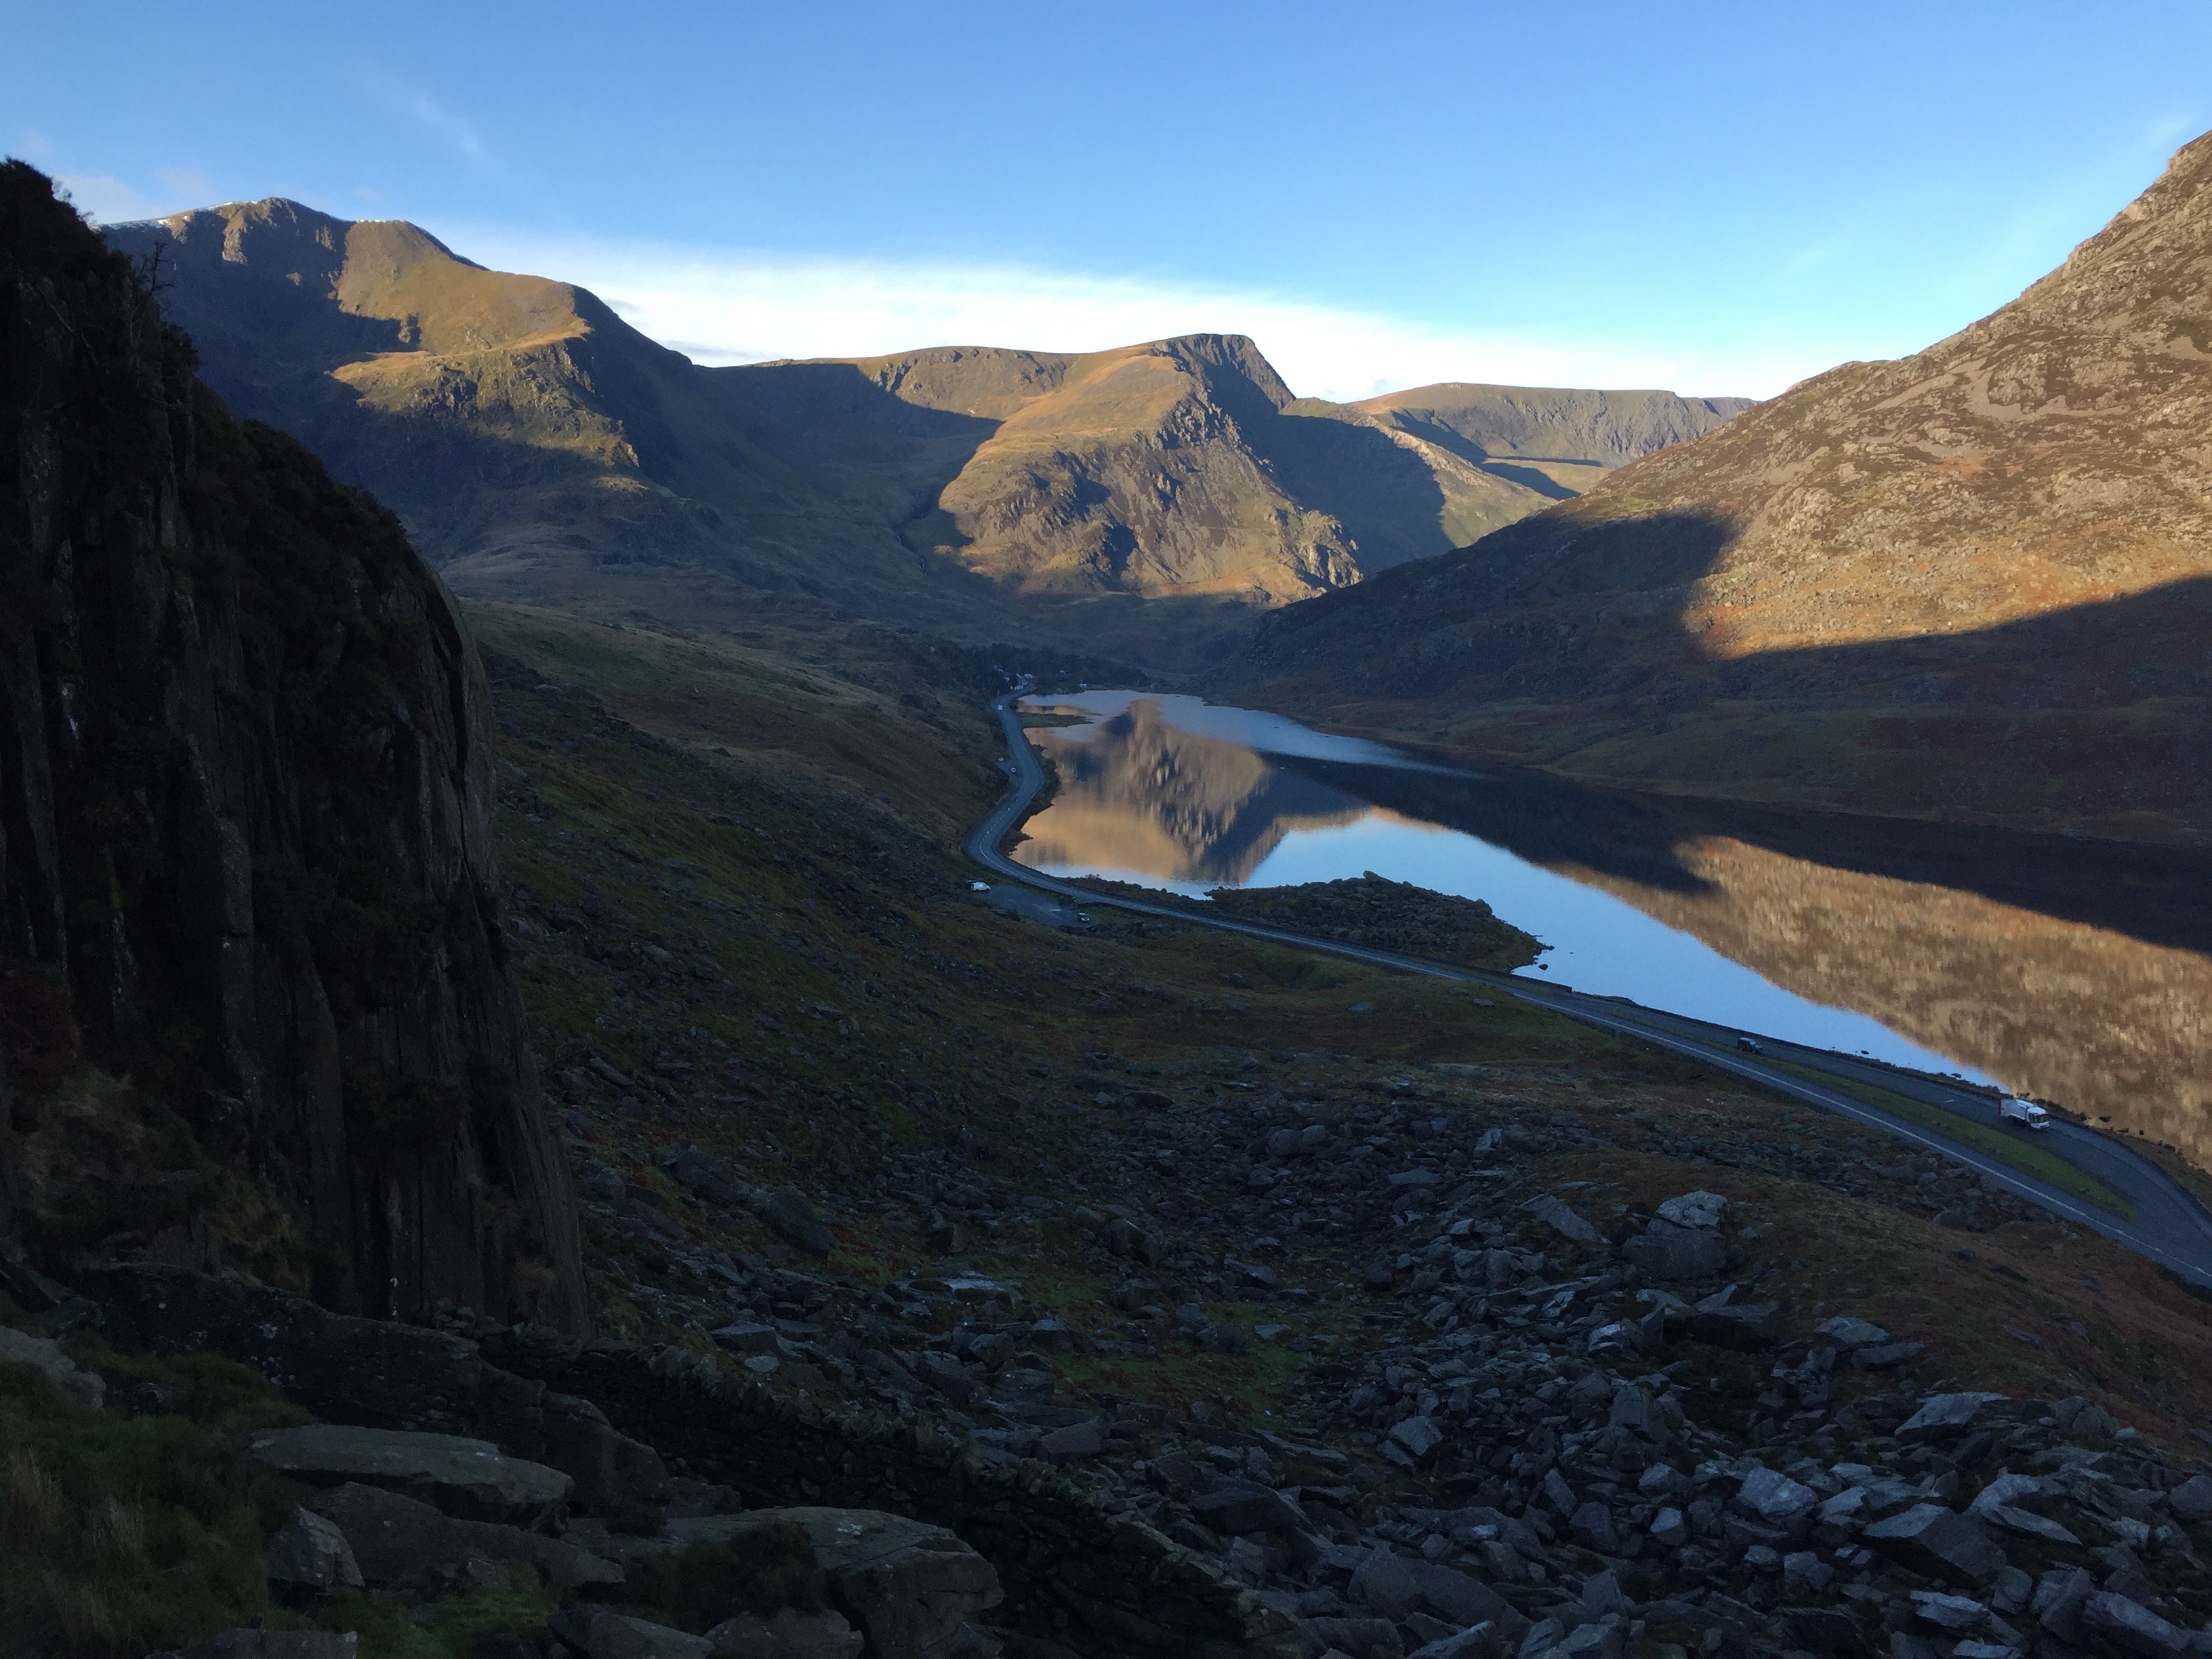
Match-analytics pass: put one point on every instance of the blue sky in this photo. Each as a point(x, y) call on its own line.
point(1717, 198)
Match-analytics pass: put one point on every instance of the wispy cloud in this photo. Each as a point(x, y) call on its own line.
point(736, 308)
point(456, 132)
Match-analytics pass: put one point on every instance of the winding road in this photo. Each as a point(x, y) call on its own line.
point(2169, 1226)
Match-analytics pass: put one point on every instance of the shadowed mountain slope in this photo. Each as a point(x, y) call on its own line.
point(245, 859)
point(542, 450)
point(1968, 583)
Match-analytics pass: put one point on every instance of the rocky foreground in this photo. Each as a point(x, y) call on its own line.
point(1509, 1456)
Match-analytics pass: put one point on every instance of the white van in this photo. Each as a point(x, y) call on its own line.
point(2026, 1112)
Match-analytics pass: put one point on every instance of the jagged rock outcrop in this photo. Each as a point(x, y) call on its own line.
point(245, 803)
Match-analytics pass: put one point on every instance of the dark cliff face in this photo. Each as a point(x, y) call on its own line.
point(245, 798)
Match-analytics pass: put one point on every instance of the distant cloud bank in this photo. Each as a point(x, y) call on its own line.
point(744, 307)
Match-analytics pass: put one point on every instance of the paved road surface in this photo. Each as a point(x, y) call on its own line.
point(2169, 1226)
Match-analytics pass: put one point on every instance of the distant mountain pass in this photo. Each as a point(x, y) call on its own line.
point(1975, 582)
point(543, 451)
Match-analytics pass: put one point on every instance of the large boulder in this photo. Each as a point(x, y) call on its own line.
point(45, 1356)
point(602, 1633)
point(1945, 1416)
point(399, 1540)
point(2134, 1628)
point(1939, 1543)
point(1668, 1254)
point(907, 1586)
point(1240, 1506)
point(790, 1634)
point(609, 1469)
point(471, 1479)
point(792, 1219)
point(310, 1553)
point(360, 1371)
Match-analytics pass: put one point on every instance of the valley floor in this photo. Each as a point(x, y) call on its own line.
point(1366, 1291)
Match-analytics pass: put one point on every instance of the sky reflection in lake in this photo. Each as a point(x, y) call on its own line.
point(1173, 793)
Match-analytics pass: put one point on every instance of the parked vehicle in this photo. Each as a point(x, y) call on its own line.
point(2026, 1112)
point(1750, 1045)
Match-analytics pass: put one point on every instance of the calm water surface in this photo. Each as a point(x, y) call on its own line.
point(2078, 973)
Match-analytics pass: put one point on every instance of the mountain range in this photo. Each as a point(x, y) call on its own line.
point(1973, 583)
point(540, 449)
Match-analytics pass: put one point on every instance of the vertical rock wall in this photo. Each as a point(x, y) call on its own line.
point(245, 800)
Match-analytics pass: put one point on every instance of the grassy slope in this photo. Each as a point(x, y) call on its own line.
point(1001, 1017)
point(755, 848)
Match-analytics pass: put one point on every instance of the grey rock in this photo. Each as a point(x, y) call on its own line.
point(2029, 1524)
point(1939, 1543)
point(2060, 1596)
point(1591, 1641)
point(602, 1633)
point(793, 1219)
point(1592, 1524)
point(44, 1356)
point(706, 1176)
point(609, 1468)
point(1362, 1638)
point(1824, 1630)
point(400, 1541)
point(1417, 1435)
point(1852, 1334)
point(2006, 1488)
point(1482, 1641)
point(1554, 1214)
point(1668, 1528)
point(790, 1634)
point(1739, 1325)
point(1600, 1595)
point(467, 1477)
point(1699, 1210)
point(1804, 1571)
point(1240, 1506)
point(1775, 1498)
point(600, 1183)
point(1386, 1583)
point(1944, 1416)
point(311, 1553)
point(1953, 1612)
point(1886, 1356)
point(1457, 1598)
point(907, 1586)
point(606, 1072)
point(748, 1338)
point(1844, 1513)
point(2132, 1627)
point(1074, 1442)
point(2191, 1501)
point(1667, 1253)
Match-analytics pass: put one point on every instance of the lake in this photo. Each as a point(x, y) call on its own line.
point(2072, 971)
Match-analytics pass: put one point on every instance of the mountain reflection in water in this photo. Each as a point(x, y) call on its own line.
point(2077, 971)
